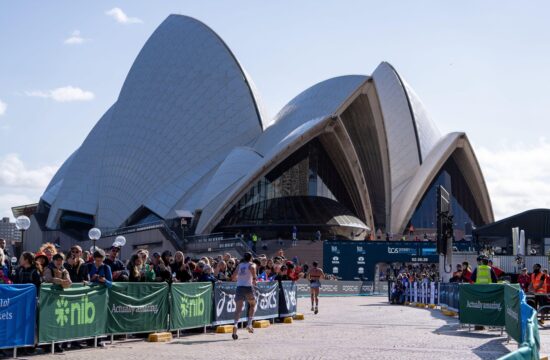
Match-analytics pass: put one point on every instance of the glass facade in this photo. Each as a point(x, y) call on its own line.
point(305, 189)
point(464, 208)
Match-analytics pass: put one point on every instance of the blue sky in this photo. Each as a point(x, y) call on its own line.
point(479, 67)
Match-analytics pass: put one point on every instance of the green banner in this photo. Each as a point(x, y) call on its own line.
point(191, 305)
point(512, 316)
point(74, 313)
point(482, 304)
point(137, 307)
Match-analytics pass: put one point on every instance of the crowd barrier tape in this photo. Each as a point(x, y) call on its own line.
point(84, 312)
point(17, 315)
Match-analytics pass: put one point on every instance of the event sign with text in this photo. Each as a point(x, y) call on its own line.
point(75, 313)
point(17, 315)
point(482, 304)
point(191, 305)
point(137, 307)
point(288, 299)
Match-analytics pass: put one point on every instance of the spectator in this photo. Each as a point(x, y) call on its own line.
point(118, 269)
point(55, 273)
point(206, 275)
point(221, 272)
point(282, 274)
point(75, 265)
point(231, 265)
point(498, 271)
point(4, 270)
point(26, 272)
point(6, 262)
point(524, 280)
point(317, 236)
point(49, 250)
point(457, 275)
point(41, 262)
point(100, 274)
point(466, 273)
point(136, 270)
point(162, 269)
point(181, 268)
point(267, 275)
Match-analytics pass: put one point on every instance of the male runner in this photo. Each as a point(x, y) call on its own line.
point(315, 275)
point(245, 275)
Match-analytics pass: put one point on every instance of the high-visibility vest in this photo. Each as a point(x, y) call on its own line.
point(535, 280)
point(483, 274)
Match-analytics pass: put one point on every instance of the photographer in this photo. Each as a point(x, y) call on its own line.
point(76, 266)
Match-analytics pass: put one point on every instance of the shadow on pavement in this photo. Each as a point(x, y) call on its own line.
point(196, 342)
point(493, 349)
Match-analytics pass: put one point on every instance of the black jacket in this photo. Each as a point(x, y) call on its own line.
point(78, 272)
point(27, 276)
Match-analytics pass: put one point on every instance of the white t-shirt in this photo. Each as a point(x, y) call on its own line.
point(244, 275)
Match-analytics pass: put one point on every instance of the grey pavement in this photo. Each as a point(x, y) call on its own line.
point(345, 328)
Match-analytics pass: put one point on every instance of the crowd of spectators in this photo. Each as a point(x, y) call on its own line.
point(49, 265)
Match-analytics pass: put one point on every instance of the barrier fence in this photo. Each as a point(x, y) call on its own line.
point(427, 293)
point(501, 305)
point(84, 312)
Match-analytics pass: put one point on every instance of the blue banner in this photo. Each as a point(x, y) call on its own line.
point(17, 315)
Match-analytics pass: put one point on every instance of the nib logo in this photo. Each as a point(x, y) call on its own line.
point(74, 313)
point(192, 307)
point(62, 312)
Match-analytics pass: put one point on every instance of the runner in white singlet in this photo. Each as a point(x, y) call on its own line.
point(245, 275)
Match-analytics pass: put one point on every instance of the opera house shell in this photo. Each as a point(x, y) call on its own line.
point(188, 135)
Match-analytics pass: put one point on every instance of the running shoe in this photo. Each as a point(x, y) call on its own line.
point(316, 310)
point(234, 335)
point(250, 329)
point(312, 308)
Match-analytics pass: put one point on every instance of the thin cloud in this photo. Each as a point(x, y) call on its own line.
point(75, 38)
point(9, 200)
point(517, 176)
point(63, 94)
point(3, 107)
point(120, 17)
point(14, 173)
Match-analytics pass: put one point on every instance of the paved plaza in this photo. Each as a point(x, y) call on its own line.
point(345, 328)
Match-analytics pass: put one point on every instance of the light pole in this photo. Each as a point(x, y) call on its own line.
point(94, 234)
point(22, 223)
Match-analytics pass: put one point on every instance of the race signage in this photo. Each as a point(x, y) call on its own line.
point(78, 312)
point(17, 315)
point(191, 305)
point(137, 307)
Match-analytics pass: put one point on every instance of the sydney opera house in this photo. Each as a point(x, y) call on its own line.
point(188, 137)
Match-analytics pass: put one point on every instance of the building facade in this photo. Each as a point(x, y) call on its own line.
point(350, 156)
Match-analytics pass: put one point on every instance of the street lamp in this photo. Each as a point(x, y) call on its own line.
point(94, 234)
point(22, 223)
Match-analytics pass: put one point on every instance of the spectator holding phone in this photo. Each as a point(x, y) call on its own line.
point(98, 271)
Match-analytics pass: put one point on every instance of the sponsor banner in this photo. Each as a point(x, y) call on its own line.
point(512, 315)
point(225, 305)
point(191, 305)
point(17, 315)
point(337, 288)
point(482, 304)
point(267, 300)
point(288, 299)
point(75, 313)
point(137, 307)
